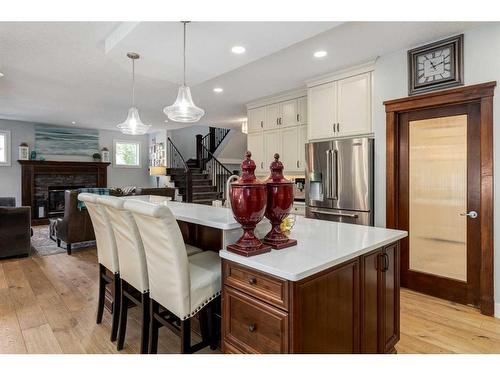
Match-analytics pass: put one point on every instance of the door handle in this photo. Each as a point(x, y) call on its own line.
point(333, 125)
point(297, 117)
point(385, 266)
point(328, 175)
point(297, 164)
point(471, 214)
point(335, 178)
point(352, 216)
point(338, 127)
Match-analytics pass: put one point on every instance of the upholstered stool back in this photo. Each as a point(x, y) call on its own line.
point(133, 267)
point(105, 239)
point(168, 266)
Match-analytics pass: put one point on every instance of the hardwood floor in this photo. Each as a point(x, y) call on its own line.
point(48, 305)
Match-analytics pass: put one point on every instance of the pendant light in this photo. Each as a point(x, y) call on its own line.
point(133, 124)
point(184, 110)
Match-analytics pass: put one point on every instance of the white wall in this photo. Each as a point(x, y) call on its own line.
point(481, 64)
point(10, 177)
point(185, 139)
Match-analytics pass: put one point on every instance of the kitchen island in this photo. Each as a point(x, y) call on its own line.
point(337, 291)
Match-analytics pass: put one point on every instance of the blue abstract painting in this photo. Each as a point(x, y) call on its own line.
point(57, 140)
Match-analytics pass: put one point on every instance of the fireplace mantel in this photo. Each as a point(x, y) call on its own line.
point(47, 169)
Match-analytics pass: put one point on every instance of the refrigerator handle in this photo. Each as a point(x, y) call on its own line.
point(328, 182)
point(335, 179)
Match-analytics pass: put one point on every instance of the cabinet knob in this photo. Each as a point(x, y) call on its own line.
point(252, 328)
point(252, 280)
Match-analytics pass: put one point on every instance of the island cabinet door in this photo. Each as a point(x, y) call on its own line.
point(325, 314)
point(390, 298)
point(380, 300)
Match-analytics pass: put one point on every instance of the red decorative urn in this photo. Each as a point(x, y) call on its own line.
point(248, 202)
point(279, 204)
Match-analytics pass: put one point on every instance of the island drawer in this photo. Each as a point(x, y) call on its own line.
point(269, 289)
point(251, 326)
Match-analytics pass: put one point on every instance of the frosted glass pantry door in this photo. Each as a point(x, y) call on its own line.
point(438, 196)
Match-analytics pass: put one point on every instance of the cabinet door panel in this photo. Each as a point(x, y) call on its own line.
point(289, 112)
point(302, 147)
point(302, 104)
point(370, 285)
point(322, 110)
point(289, 148)
point(354, 105)
point(272, 145)
point(272, 116)
point(256, 118)
point(256, 147)
point(390, 297)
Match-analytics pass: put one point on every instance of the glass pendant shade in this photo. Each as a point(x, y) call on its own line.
point(133, 124)
point(184, 110)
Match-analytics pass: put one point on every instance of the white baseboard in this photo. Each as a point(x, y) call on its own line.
point(497, 310)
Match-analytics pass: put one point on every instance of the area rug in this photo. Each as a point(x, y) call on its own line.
point(42, 245)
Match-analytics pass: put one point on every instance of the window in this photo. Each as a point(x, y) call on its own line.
point(127, 154)
point(4, 148)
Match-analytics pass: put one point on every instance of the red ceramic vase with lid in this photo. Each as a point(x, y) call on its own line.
point(279, 204)
point(248, 202)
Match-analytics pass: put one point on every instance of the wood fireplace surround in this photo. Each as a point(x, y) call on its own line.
point(37, 176)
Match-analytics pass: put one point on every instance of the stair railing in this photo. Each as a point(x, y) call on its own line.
point(210, 141)
point(216, 170)
point(175, 160)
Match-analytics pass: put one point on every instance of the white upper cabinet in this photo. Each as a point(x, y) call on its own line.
point(289, 148)
point(354, 105)
point(302, 110)
point(272, 145)
point(322, 110)
point(256, 118)
point(341, 105)
point(272, 116)
point(289, 113)
point(255, 144)
point(283, 131)
point(302, 147)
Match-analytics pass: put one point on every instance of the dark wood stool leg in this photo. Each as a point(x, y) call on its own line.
point(116, 307)
point(68, 248)
point(102, 291)
point(186, 336)
point(154, 327)
point(58, 242)
point(145, 322)
point(214, 331)
point(204, 324)
point(122, 325)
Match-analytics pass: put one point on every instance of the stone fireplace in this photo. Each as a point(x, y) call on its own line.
point(44, 182)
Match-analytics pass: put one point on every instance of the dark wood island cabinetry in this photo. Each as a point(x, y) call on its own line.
point(352, 307)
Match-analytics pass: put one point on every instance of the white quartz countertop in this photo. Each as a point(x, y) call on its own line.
point(215, 217)
point(321, 245)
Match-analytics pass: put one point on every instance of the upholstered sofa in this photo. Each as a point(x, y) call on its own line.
point(76, 225)
point(15, 229)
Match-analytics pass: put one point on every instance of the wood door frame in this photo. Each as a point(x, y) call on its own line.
point(481, 94)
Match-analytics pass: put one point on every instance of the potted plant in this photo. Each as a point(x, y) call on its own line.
point(96, 156)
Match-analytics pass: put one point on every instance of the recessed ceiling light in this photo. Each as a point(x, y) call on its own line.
point(320, 54)
point(166, 120)
point(238, 49)
point(1, 74)
point(218, 90)
point(73, 122)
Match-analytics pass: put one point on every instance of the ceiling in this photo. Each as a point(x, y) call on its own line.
point(60, 72)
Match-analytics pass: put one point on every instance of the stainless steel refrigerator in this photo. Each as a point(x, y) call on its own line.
point(339, 180)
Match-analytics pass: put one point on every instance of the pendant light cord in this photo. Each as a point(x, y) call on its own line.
point(133, 82)
point(184, 78)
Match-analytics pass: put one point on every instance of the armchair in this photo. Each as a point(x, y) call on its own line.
point(15, 229)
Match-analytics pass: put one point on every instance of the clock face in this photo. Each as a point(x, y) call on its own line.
point(434, 66)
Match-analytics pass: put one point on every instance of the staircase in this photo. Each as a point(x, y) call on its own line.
point(201, 180)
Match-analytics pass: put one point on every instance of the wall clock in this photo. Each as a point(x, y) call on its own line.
point(436, 66)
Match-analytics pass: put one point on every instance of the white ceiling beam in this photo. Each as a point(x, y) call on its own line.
point(118, 34)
